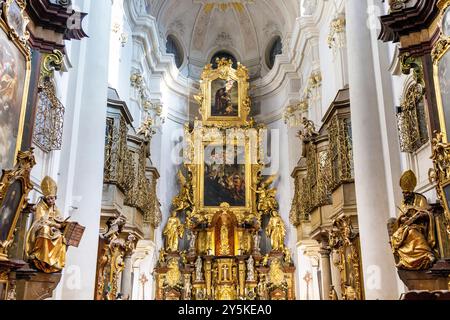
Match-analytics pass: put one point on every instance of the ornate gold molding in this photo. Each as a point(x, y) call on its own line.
point(17, 21)
point(224, 71)
point(344, 242)
point(21, 174)
point(440, 174)
point(111, 259)
point(51, 62)
point(337, 26)
point(412, 127)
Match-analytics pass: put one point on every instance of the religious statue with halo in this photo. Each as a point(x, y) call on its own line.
point(413, 239)
point(276, 231)
point(173, 231)
point(46, 245)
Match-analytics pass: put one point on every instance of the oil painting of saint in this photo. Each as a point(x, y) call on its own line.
point(224, 98)
point(12, 84)
point(9, 208)
point(224, 180)
point(444, 81)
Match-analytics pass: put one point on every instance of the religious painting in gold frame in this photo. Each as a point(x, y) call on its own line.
point(224, 99)
point(224, 176)
point(15, 186)
point(15, 68)
point(441, 70)
point(440, 147)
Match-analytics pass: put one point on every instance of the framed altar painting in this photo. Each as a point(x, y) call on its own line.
point(224, 97)
point(225, 177)
point(15, 66)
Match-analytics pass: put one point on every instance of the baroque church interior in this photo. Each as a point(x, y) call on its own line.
point(224, 149)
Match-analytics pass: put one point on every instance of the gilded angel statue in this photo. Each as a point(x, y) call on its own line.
point(184, 200)
point(266, 196)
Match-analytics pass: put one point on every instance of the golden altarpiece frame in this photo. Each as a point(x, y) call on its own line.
point(225, 205)
point(440, 174)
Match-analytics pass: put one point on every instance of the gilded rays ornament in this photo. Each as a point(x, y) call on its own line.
point(224, 5)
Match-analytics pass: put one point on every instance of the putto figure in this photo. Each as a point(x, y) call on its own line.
point(46, 244)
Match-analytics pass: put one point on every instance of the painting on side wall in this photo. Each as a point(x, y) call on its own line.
point(14, 78)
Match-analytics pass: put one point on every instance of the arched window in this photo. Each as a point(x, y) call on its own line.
point(275, 48)
point(174, 47)
point(223, 54)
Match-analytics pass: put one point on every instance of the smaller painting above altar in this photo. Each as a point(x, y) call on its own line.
point(225, 102)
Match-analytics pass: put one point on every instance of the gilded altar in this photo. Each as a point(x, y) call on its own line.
point(226, 205)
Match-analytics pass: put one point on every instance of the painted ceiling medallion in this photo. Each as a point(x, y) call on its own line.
point(223, 5)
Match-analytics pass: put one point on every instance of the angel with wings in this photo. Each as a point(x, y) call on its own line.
point(184, 200)
point(266, 196)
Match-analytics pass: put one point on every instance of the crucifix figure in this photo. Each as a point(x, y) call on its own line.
point(143, 279)
point(225, 270)
point(307, 279)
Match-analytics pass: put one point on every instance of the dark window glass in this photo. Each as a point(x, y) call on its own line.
point(275, 49)
point(173, 47)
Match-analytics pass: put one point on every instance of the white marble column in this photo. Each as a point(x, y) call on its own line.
point(126, 284)
point(325, 267)
point(81, 168)
point(380, 279)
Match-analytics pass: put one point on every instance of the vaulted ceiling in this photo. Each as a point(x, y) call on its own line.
point(244, 28)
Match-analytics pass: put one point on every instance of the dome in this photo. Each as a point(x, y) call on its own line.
point(242, 28)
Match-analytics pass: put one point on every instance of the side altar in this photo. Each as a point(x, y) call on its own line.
point(226, 205)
